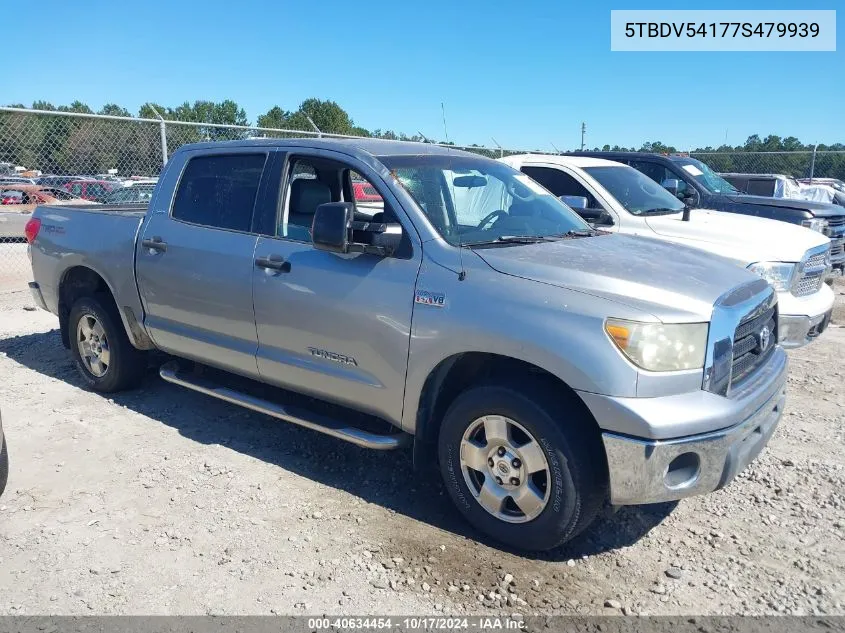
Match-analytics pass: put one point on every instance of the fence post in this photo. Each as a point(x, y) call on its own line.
point(163, 129)
point(813, 163)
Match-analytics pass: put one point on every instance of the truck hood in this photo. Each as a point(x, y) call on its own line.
point(745, 239)
point(818, 209)
point(672, 282)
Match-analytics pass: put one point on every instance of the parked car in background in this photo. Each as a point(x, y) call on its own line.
point(57, 181)
point(15, 180)
point(138, 194)
point(542, 366)
point(837, 184)
point(4, 459)
point(134, 182)
point(18, 201)
point(698, 186)
point(367, 199)
point(782, 186)
point(618, 198)
point(94, 190)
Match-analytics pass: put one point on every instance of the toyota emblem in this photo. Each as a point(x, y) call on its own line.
point(765, 338)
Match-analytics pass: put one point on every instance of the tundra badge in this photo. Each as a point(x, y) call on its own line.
point(334, 356)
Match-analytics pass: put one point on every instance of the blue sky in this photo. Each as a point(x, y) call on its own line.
point(526, 73)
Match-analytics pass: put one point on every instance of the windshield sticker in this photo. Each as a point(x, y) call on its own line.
point(533, 186)
point(692, 170)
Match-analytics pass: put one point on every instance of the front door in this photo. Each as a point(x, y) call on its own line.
point(334, 326)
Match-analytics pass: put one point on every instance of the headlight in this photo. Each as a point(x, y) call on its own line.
point(660, 346)
point(815, 224)
point(778, 274)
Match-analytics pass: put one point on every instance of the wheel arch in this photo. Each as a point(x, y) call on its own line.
point(458, 372)
point(83, 281)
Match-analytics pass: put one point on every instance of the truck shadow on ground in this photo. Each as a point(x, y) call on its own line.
point(384, 478)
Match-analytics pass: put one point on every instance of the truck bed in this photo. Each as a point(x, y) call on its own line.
point(98, 237)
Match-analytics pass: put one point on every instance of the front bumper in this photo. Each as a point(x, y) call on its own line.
point(802, 319)
point(729, 433)
point(643, 471)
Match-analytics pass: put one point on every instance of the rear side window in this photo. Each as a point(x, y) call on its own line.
point(759, 187)
point(219, 191)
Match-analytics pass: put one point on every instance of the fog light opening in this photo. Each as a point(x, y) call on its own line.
point(683, 471)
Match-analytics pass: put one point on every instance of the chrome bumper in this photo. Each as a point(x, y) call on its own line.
point(35, 290)
point(797, 331)
point(656, 470)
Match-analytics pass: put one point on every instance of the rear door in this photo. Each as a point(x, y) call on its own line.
point(335, 326)
point(194, 260)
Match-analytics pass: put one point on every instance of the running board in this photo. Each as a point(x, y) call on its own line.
point(170, 372)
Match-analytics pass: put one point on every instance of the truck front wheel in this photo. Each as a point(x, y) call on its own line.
point(522, 466)
point(105, 358)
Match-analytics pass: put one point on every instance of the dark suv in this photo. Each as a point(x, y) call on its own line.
point(698, 186)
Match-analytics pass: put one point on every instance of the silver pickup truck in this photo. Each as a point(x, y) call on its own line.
point(544, 367)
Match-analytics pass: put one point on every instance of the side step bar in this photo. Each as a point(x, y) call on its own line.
point(170, 372)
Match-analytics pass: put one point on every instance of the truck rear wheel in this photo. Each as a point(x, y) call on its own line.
point(521, 466)
point(105, 358)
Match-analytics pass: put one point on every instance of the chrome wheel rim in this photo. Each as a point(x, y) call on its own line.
point(505, 469)
point(93, 345)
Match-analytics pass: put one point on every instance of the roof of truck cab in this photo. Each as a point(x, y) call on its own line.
point(371, 146)
point(571, 161)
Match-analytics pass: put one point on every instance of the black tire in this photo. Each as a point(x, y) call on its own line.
point(126, 363)
point(577, 487)
point(4, 466)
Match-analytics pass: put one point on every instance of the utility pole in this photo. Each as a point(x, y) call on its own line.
point(583, 133)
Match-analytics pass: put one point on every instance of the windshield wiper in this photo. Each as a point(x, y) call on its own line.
point(516, 239)
point(660, 211)
point(577, 233)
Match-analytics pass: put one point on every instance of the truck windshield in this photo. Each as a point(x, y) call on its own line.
point(708, 178)
point(638, 193)
point(474, 201)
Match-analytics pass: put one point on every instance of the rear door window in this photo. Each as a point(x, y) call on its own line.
point(219, 191)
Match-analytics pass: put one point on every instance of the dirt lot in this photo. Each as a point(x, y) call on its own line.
point(162, 501)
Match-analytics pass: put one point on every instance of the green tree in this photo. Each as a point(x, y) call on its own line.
point(327, 115)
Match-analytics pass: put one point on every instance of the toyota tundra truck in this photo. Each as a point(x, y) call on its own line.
point(545, 368)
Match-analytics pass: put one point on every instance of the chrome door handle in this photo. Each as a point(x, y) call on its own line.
point(273, 262)
point(154, 244)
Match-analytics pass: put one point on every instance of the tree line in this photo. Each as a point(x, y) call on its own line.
point(80, 145)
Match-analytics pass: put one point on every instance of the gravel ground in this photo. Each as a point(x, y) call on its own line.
point(162, 501)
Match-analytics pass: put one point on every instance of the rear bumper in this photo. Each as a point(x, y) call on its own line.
point(35, 290)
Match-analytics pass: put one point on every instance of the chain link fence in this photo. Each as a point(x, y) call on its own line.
point(802, 164)
point(68, 157)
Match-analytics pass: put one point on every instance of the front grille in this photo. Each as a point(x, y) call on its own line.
point(811, 275)
point(837, 221)
point(755, 339)
point(837, 249)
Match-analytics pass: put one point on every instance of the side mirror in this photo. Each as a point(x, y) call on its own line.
point(574, 202)
point(672, 185)
point(596, 216)
point(332, 226)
